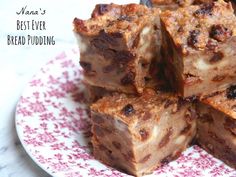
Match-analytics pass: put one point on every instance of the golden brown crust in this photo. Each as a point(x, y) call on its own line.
point(149, 100)
point(192, 27)
point(162, 2)
point(222, 102)
point(180, 2)
point(113, 18)
point(172, 2)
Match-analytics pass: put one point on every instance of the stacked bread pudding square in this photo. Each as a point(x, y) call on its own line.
point(160, 74)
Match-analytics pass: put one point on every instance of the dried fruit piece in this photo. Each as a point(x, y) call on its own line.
point(166, 138)
point(166, 160)
point(128, 79)
point(124, 56)
point(144, 134)
point(181, 29)
point(218, 78)
point(217, 57)
point(193, 37)
point(117, 145)
point(212, 44)
point(109, 38)
point(206, 118)
point(205, 9)
point(231, 92)
point(148, 3)
point(128, 110)
point(220, 33)
point(102, 9)
point(99, 44)
point(145, 159)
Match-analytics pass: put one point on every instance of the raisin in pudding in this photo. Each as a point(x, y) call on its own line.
point(123, 126)
point(199, 46)
point(118, 45)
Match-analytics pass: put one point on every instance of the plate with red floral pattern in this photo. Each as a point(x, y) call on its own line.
point(53, 126)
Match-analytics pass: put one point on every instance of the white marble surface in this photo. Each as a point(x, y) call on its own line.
point(19, 63)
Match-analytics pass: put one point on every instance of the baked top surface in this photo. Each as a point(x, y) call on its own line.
point(176, 2)
point(224, 101)
point(113, 18)
point(192, 28)
point(131, 109)
point(163, 2)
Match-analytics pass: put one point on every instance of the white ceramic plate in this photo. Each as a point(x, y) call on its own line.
point(53, 126)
